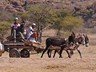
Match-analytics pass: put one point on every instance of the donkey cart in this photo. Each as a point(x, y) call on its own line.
point(21, 49)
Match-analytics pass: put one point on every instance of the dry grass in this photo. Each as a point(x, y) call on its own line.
point(45, 64)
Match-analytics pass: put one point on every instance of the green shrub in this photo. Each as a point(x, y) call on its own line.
point(4, 26)
point(71, 22)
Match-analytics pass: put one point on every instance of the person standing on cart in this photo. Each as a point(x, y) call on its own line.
point(15, 29)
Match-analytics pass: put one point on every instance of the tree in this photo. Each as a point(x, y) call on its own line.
point(71, 22)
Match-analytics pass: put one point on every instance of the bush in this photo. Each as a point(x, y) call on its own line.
point(4, 26)
point(71, 22)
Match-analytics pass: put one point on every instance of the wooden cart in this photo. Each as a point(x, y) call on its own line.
point(20, 49)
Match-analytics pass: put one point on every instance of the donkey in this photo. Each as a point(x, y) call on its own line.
point(69, 41)
point(74, 45)
point(59, 42)
point(81, 40)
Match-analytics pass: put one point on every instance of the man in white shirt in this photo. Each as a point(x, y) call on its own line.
point(31, 32)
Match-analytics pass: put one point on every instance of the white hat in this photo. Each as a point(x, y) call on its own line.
point(34, 24)
point(16, 18)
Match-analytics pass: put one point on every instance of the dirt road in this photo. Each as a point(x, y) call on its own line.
point(45, 64)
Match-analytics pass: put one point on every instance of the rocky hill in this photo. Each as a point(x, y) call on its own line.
point(18, 5)
point(82, 8)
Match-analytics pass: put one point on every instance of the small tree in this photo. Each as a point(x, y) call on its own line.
point(71, 22)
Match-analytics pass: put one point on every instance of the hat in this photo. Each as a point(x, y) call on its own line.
point(16, 18)
point(34, 24)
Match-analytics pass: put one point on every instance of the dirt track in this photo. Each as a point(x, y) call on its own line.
point(45, 64)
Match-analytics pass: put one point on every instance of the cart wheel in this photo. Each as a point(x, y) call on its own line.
point(25, 53)
point(14, 53)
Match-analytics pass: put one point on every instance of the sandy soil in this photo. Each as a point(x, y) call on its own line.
point(45, 64)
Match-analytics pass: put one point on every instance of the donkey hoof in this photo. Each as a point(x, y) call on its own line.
point(80, 57)
point(41, 56)
point(49, 57)
point(60, 57)
point(69, 57)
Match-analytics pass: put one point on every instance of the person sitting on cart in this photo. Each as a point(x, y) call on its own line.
point(31, 33)
point(21, 29)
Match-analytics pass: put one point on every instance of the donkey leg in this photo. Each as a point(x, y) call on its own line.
point(79, 53)
point(49, 53)
point(68, 53)
point(44, 51)
point(60, 54)
point(54, 53)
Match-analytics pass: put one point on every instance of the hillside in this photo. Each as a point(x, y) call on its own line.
point(82, 9)
point(18, 5)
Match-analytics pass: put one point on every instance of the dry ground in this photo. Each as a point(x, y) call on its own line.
point(45, 64)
